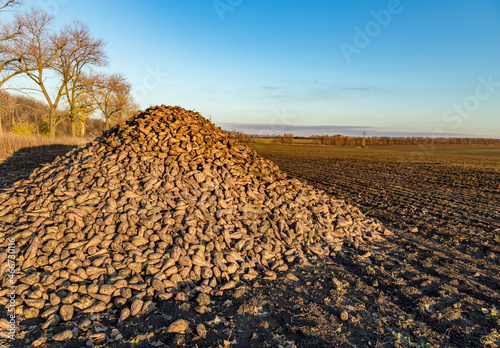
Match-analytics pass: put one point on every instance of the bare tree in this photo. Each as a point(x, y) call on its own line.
point(79, 50)
point(81, 105)
point(62, 56)
point(8, 31)
point(111, 94)
point(38, 55)
point(288, 138)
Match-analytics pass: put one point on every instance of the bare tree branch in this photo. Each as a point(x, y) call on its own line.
point(37, 55)
point(9, 3)
point(79, 50)
point(64, 55)
point(112, 96)
point(8, 32)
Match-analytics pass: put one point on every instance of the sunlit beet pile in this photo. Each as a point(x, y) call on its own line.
point(162, 205)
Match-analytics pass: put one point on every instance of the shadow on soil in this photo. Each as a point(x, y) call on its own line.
point(23, 162)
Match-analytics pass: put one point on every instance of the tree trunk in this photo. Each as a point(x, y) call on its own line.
point(4, 110)
point(73, 126)
point(52, 123)
point(82, 128)
point(106, 127)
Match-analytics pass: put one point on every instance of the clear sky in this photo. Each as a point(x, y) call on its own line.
point(384, 66)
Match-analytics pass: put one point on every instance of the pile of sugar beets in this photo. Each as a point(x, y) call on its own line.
point(162, 204)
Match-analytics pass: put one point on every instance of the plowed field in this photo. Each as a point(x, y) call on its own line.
point(443, 281)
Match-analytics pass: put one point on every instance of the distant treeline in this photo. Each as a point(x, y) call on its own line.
point(341, 140)
point(344, 140)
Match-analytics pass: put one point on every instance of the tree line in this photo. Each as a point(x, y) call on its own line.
point(353, 141)
point(64, 66)
point(342, 140)
point(25, 115)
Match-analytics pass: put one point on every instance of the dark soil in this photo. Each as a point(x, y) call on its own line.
point(437, 287)
point(22, 163)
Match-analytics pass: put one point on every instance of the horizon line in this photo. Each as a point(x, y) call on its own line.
point(270, 130)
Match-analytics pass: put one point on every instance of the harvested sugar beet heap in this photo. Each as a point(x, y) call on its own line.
point(161, 204)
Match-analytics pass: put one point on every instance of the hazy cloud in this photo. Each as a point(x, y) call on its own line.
point(279, 129)
point(305, 131)
point(362, 89)
point(279, 96)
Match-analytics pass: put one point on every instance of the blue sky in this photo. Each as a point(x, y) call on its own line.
point(382, 66)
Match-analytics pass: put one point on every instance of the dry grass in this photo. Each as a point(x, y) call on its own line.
point(11, 143)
